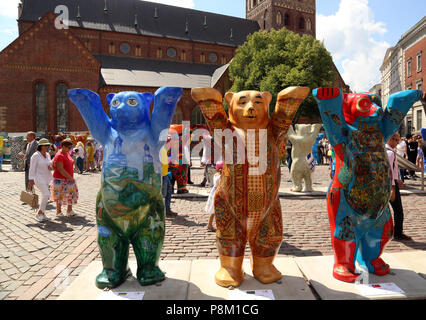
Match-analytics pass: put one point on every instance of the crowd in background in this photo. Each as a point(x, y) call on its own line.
point(64, 156)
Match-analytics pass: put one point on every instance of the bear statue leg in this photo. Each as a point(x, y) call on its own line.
point(343, 236)
point(308, 180)
point(344, 260)
point(265, 245)
point(115, 253)
point(231, 272)
point(373, 243)
point(231, 242)
point(296, 177)
point(147, 244)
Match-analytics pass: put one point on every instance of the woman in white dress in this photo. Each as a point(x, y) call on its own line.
point(41, 176)
point(210, 202)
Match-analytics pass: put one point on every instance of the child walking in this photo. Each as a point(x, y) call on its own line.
point(210, 202)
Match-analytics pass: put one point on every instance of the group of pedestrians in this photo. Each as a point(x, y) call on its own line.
point(60, 187)
point(413, 149)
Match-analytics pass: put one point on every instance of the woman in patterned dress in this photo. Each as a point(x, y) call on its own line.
point(64, 188)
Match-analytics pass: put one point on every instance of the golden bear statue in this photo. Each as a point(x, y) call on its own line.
point(247, 207)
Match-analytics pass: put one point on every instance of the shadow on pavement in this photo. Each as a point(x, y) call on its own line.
point(288, 249)
point(182, 221)
point(52, 225)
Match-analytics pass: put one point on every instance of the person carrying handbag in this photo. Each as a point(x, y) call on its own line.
point(40, 175)
point(64, 188)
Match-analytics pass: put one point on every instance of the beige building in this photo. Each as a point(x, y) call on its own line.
point(404, 68)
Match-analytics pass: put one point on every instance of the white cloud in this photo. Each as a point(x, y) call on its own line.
point(9, 8)
point(181, 3)
point(350, 35)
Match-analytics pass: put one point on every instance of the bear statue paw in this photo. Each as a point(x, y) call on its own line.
point(380, 267)
point(296, 189)
point(328, 93)
point(229, 277)
point(264, 269)
point(150, 275)
point(344, 273)
point(111, 279)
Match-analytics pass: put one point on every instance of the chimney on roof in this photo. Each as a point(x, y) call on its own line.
point(106, 7)
point(231, 37)
point(136, 20)
point(156, 13)
point(205, 22)
point(187, 27)
point(78, 13)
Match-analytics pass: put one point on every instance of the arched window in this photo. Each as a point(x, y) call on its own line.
point(138, 51)
point(202, 57)
point(279, 18)
point(286, 19)
point(301, 23)
point(111, 48)
point(41, 107)
point(183, 55)
point(159, 53)
point(178, 116)
point(197, 116)
point(62, 107)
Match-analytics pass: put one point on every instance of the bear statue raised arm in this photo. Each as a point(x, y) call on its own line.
point(129, 206)
point(247, 207)
point(357, 202)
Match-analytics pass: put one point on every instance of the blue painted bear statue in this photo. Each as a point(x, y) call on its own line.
point(129, 205)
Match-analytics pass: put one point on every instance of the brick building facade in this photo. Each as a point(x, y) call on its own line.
point(117, 45)
point(404, 68)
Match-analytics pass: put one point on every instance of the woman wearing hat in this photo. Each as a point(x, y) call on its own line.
point(40, 175)
point(64, 188)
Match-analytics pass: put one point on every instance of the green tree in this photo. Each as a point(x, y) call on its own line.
point(279, 59)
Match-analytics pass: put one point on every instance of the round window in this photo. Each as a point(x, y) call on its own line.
point(125, 48)
point(213, 57)
point(171, 53)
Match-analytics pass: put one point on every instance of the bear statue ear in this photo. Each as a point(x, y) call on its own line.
point(228, 97)
point(146, 98)
point(268, 98)
point(110, 97)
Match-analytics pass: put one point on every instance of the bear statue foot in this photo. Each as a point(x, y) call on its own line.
point(111, 279)
point(149, 276)
point(344, 273)
point(296, 189)
point(231, 273)
point(380, 267)
point(264, 270)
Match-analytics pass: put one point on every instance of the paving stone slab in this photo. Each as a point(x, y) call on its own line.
point(193, 280)
point(414, 260)
point(292, 287)
point(318, 271)
point(175, 287)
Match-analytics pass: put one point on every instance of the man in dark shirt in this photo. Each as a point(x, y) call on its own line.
point(412, 146)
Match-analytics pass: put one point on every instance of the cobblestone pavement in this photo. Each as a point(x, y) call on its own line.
point(39, 261)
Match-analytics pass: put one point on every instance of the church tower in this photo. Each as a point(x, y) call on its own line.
point(295, 15)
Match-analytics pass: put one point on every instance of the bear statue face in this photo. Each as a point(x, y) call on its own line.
point(130, 111)
point(249, 109)
point(303, 129)
point(359, 105)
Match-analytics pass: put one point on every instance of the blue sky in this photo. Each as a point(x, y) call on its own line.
point(356, 32)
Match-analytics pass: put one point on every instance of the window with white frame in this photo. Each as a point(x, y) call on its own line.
point(419, 61)
point(419, 84)
point(409, 67)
